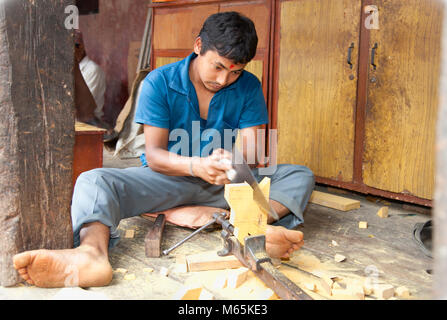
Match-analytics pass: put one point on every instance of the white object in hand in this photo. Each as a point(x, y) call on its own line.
point(231, 174)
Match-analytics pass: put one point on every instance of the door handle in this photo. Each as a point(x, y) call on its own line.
point(350, 55)
point(373, 56)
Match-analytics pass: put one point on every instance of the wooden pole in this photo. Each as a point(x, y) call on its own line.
point(440, 207)
point(36, 129)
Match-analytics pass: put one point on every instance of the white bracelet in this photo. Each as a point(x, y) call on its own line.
point(190, 167)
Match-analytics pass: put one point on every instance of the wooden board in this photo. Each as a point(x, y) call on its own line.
point(211, 261)
point(333, 201)
point(36, 129)
point(316, 96)
point(401, 110)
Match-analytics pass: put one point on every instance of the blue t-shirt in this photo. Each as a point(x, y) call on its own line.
point(168, 100)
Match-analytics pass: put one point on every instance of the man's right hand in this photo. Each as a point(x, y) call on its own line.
point(212, 169)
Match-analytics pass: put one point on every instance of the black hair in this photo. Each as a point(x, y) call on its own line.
point(231, 34)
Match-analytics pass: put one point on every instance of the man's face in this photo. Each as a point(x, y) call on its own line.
point(217, 72)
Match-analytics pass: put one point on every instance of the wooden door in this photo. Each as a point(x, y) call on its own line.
point(402, 97)
point(316, 86)
point(175, 30)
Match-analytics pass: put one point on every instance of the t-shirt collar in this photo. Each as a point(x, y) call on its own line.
point(182, 82)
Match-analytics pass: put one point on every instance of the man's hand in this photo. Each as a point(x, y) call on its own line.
point(212, 169)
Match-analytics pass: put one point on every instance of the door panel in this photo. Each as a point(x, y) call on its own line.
point(185, 21)
point(316, 85)
point(402, 98)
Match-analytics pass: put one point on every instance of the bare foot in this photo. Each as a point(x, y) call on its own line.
point(282, 242)
point(83, 266)
point(189, 216)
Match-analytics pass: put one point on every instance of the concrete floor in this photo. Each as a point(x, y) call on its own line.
point(386, 245)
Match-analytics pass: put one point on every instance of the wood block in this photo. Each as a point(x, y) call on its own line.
point(129, 234)
point(383, 212)
point(403, 292)
point(384, 291)
point(333, 201)
point(211, 261)
point(188, 293)
point(363, 225)
point(246, 216)
point(152, 241)
point(237, 277)
point(339, 257)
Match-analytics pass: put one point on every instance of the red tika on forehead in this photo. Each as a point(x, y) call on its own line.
point(232, 66)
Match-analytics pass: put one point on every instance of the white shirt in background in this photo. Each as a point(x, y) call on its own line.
point(95, 78)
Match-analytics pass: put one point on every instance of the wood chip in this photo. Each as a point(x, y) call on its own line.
point(121, 270)
point(363, 225)
point(403, 292)
point(130, 276)
point(384, 291)
point(188, 293)
point(383, 212)
point(339, 257)
point(129, 234)
point(149, 270)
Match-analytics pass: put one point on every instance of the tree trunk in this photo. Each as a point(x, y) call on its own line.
point(36, 129)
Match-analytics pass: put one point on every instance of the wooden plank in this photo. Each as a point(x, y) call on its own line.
point(211, 261)
point(316, 96)
point(36, 129)
point(333, 201)
point(401, 110)
point(152, 242)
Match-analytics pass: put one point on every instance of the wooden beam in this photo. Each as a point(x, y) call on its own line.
point(36, 129)
point(333, 201)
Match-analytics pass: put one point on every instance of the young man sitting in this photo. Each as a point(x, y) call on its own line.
point(209, 91)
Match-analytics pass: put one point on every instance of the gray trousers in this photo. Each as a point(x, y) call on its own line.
point(109, 195)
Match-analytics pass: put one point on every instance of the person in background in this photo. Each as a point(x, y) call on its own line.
point(90, 84)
